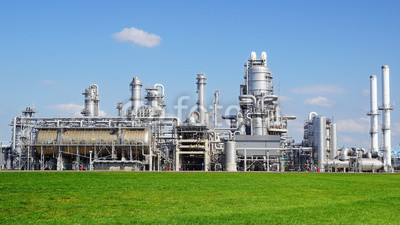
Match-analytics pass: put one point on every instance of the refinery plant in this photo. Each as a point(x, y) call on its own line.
point(144, 138)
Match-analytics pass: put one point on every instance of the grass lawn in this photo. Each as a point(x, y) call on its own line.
point(198, 198)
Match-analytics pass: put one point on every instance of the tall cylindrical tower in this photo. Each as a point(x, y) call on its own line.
point(136, 95)
point(201, 103)
point(374, 113)
point(91, 106)
point(386, 119)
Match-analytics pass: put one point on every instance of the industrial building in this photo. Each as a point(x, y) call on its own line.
point(143, 138)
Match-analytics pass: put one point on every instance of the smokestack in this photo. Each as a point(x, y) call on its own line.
point(374, 113)
point(386, 119)
point(201, 103)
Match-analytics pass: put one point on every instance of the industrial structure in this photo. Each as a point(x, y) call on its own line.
point(143, 138)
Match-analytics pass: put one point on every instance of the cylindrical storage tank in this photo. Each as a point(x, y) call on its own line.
point(338, 164)
point(230, 156)
point(260, 80)
point(369, 165)
point(136, 94)
point(257, 126)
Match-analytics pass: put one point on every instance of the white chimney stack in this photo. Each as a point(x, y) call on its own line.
point(386, 119)
point(374, 114)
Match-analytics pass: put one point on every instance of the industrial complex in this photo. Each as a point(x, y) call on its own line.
point(144, 138)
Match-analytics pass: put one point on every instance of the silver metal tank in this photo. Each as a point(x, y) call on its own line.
point(369, 165)
point(230, 155)
point(339, 164)
point(136, 95)
point(91, 105)
point(260, 80)
point(258, 126)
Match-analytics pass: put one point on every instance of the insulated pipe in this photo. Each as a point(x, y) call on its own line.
point(269, 97)
point(374, 114)
point(201, 103)
point(386, 119)
point(310, 116)
point(253, 98)
point(156, 86)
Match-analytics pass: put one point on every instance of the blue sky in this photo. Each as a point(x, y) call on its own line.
point(321, 54)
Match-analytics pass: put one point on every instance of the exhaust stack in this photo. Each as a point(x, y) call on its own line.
point(374, 114)
point(201, 103)
point(387, 148)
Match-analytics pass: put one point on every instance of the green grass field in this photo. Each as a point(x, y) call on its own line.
point(198, 198)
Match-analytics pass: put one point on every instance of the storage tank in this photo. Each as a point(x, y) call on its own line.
point(260, 80)
point(369, 165)
point(230, 156)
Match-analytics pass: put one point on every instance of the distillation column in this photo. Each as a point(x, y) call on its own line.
point(386, 119)
point(201, 103)
point(333, 140)
point(374, 114)
point(136, 95)
point(319, 123)
point(91, 107)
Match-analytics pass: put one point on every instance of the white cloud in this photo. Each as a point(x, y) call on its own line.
point(47, 81)
point(319, 101)
point(365, 92)
point(319, 89)
point(354, 126)
point(70, 109)
point(137, 36)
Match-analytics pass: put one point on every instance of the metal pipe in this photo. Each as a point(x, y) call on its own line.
point(374, 113)
point(386, 119)
point(162, 89)
point(269, 97)
point(310, 116)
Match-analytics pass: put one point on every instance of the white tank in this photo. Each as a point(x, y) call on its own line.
point(230, 156)
point(260, 80)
